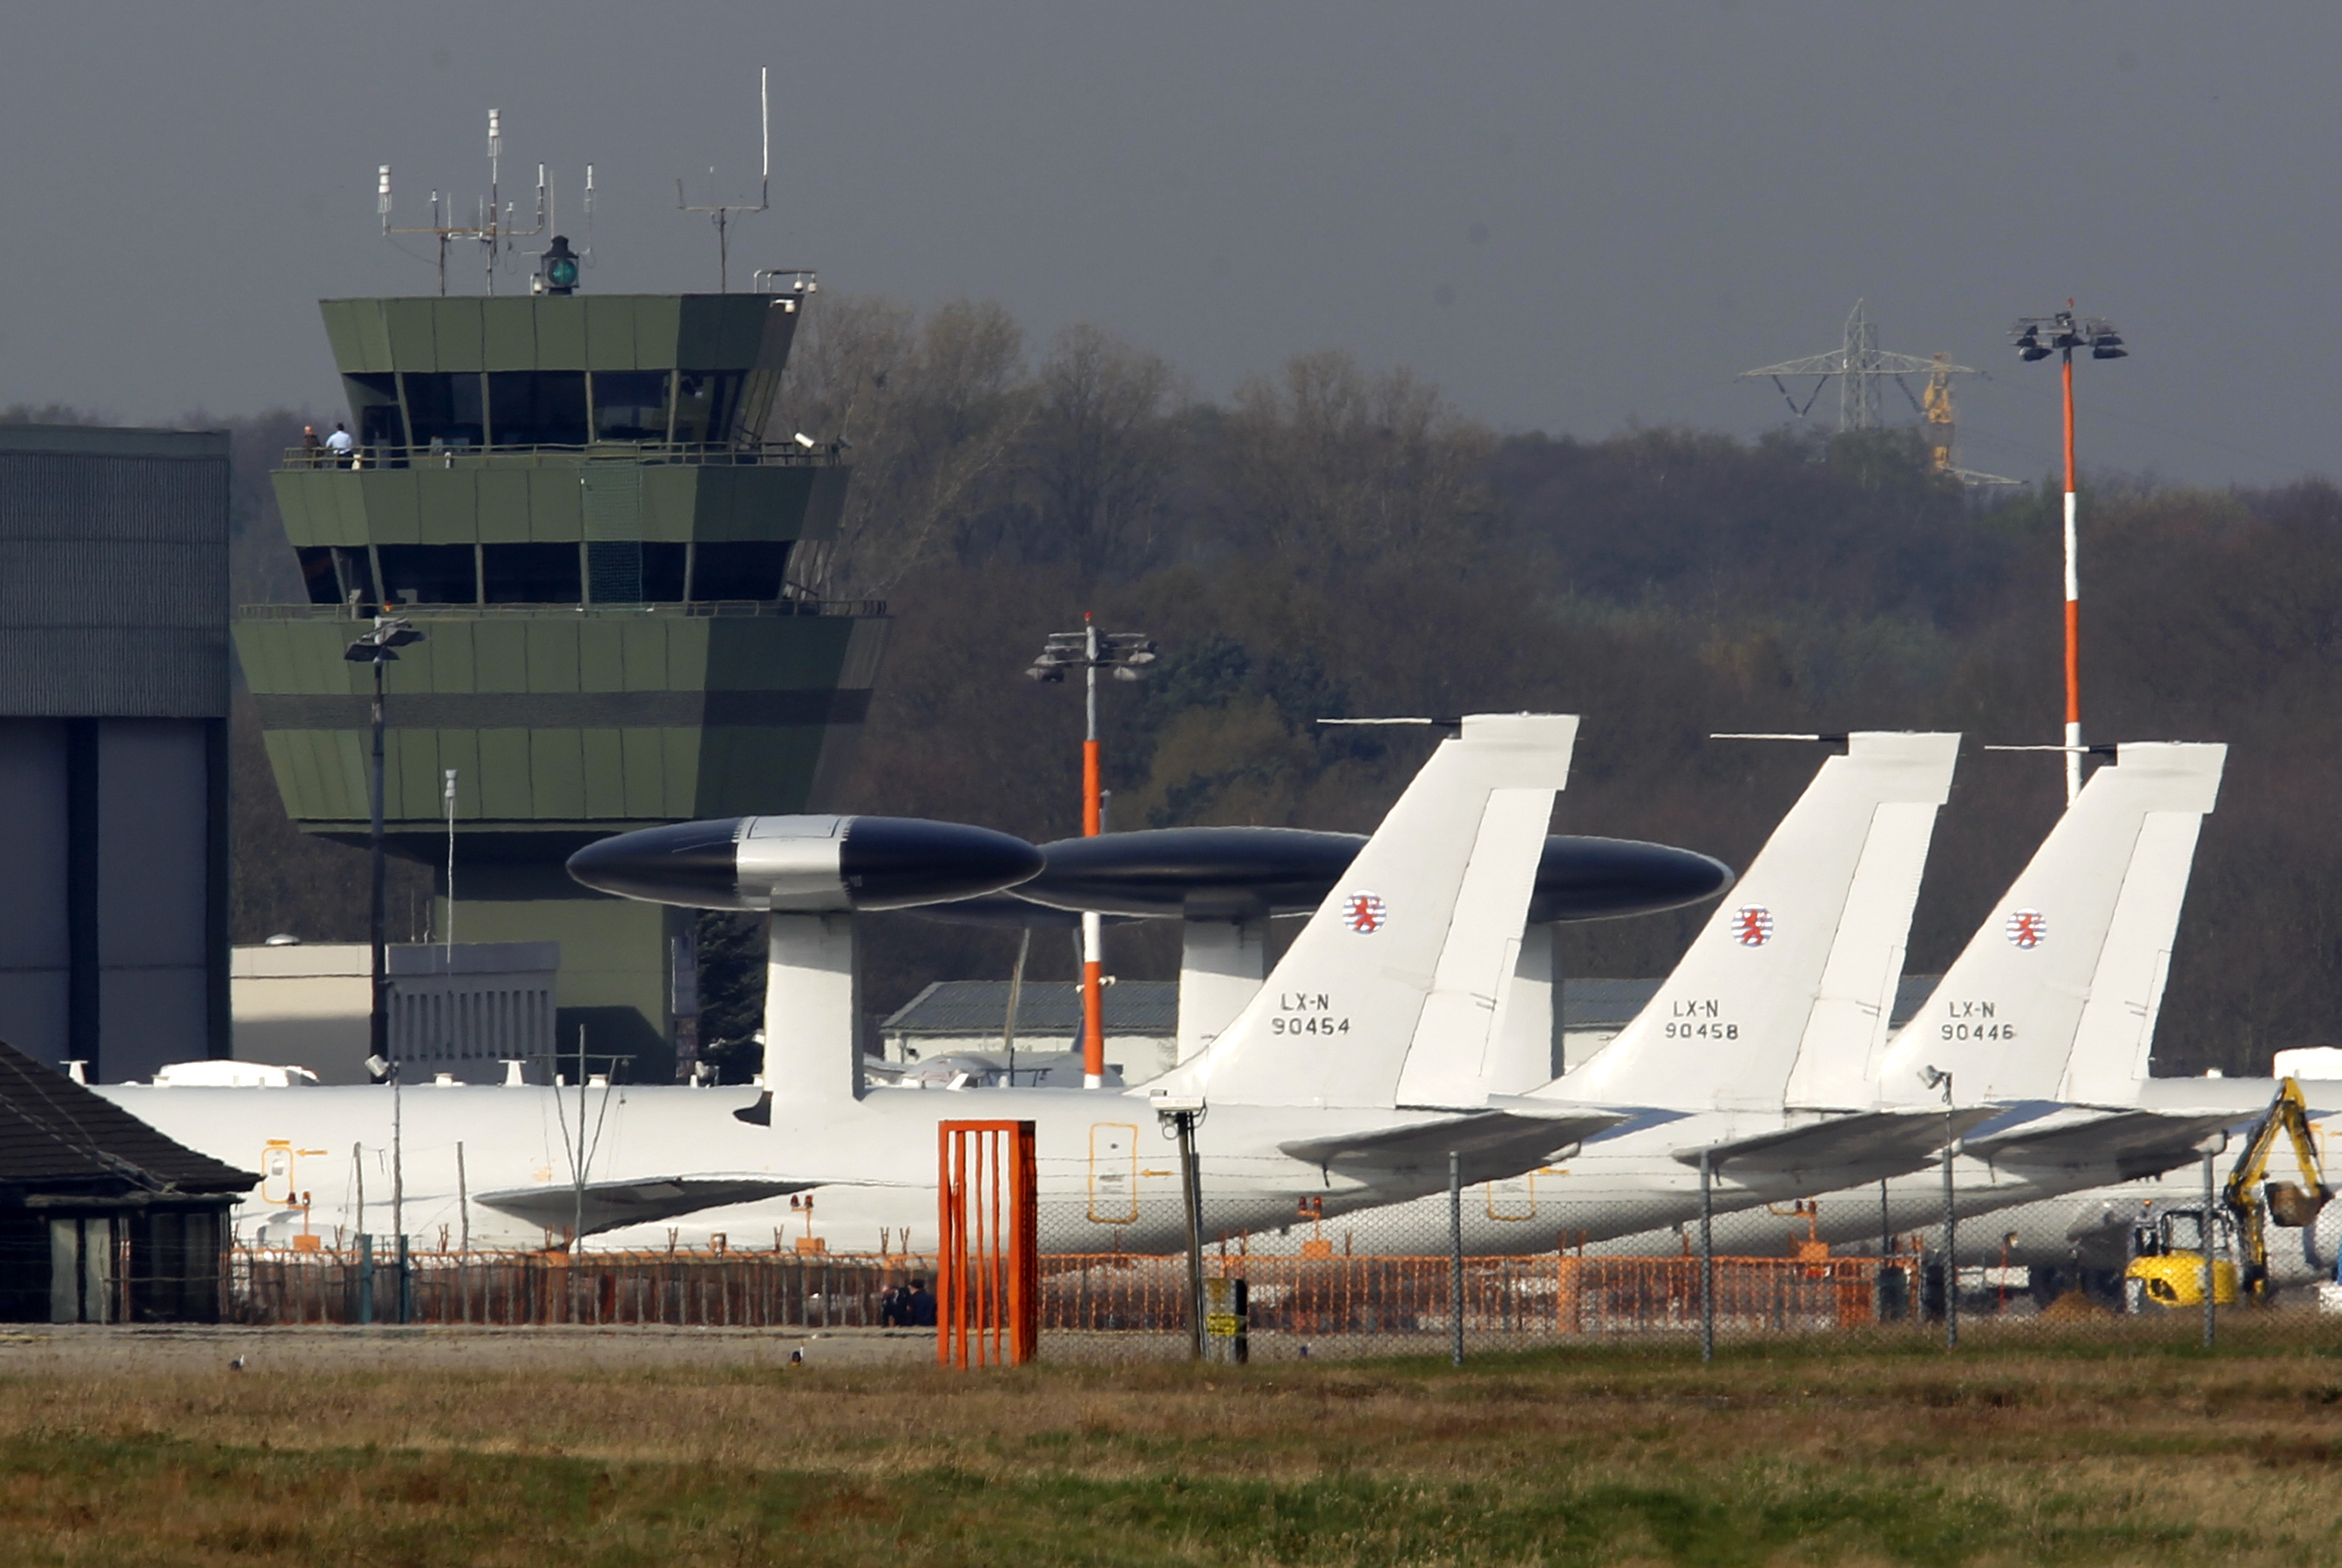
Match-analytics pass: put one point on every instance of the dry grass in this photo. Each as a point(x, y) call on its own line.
point(2076, 1453)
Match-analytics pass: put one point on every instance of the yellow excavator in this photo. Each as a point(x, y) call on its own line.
point(2167, 1266)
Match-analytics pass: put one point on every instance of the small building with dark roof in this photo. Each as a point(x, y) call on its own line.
point(103, 1219)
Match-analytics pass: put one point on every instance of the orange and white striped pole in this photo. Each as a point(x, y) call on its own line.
point(1093, 824)
point(2073, 606)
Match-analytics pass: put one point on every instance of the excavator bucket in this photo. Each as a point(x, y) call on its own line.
point(2291, 1206)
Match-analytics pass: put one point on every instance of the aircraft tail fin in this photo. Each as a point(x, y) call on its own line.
point(2068, 970)
point(1418, 942)
point(1806, 954)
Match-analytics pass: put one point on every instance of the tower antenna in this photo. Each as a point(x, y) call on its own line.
point(492, 221)
point(721, 212)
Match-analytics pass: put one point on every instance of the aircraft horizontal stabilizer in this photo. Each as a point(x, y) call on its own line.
point(1494, 1143)
point(1841, 1152)
point(609, 1204)
point(2128, 1142)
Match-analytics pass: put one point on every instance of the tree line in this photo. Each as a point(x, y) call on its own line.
point(1335, 540)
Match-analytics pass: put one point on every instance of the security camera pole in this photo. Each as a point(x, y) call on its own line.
point(1126, 654)
point(379, 647)
point(2036, 338)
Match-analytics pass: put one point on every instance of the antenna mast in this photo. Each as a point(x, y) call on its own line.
point(720, 212)
point(492, 224)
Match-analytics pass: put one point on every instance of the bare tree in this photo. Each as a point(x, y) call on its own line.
point(1098, 455)
point(931, 410)
point(1336, 465)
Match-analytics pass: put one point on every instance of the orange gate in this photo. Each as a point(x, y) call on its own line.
point(987, 1273)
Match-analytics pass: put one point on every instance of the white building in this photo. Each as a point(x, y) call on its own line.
point(461, 1013)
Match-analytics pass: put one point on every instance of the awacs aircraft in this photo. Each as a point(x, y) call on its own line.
point(1847, 859)
point(1412, 949)
point(1801, 962)
point(2043, 1025)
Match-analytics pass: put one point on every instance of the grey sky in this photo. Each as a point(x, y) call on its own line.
point(1571, 216)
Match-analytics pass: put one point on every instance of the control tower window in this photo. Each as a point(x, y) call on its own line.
point(537, 409)
point(630, 405)
point(533, 575)
point(749, 570)
point(318, 573)
point(429, 574)
point(445, 408)
point(704, 401)
point(662, 573)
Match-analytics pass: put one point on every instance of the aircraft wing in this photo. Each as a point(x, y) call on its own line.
point(1495, 1143)
point(1842, 1151)
point(610, 1204)
point(2134, 1143)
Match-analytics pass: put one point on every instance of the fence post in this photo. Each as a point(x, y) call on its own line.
point(366, 1279)
point(1191, 1192)
point(1951, 1239)
point(1706, 1254)
point(2204, 1233)
point(1455, 1257)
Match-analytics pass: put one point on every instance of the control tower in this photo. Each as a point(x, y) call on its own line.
point(571, 498)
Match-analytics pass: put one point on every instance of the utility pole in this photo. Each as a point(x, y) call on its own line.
point(2037, 337)
point(1126, 654)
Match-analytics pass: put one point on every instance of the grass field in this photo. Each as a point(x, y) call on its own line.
point(2071, 1453)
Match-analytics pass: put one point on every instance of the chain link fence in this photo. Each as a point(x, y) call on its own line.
point(1376, 1282)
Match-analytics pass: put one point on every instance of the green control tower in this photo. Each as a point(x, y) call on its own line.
point(572, 500)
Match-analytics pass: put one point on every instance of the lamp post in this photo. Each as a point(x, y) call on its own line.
point(2037, 337)
point(379, 647)
point(1126, 654)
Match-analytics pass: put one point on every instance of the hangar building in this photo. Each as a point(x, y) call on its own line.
point(114, 701)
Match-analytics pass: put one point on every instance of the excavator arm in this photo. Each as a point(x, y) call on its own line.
point(2255, 1200)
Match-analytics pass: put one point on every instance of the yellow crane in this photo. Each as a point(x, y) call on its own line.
point(2170, 1271)
point(1935, 410)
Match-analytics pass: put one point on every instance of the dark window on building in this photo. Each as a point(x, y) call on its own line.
point(368, 392)
point(445, 408)
point(630, 405)
point(537, 407)
point(357, 569)
point(318, 572)
point(614, 570)
point(532, 574)
point(702, 404)
point(429, 574)
point(663, 574)
point(739, 570)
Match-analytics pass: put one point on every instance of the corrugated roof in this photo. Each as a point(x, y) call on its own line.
point(1045, 1008)
point(54, 1133)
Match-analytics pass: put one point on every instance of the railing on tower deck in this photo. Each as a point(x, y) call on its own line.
point(695, 454)
point(697, 609)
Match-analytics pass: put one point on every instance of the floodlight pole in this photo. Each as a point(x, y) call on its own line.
point(1127, 653)
point(1093, 935)
point(2073, 604)
point(377, 647)
point(2064, 333)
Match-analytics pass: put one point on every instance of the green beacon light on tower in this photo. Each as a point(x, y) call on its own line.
point(556, 269)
